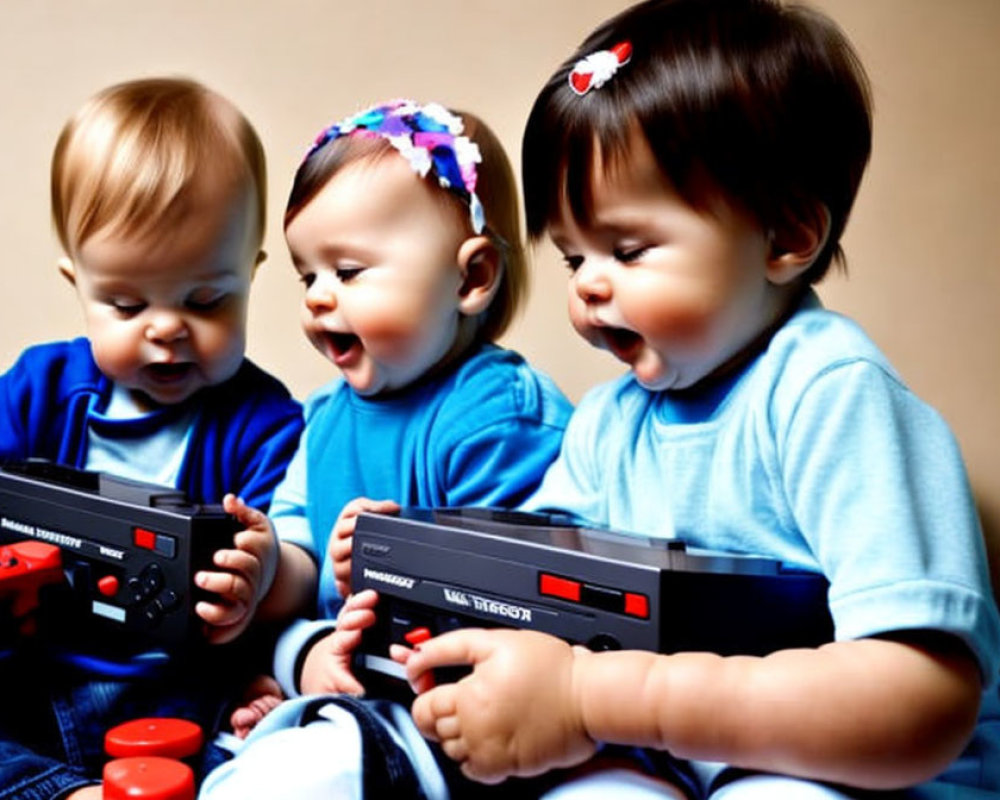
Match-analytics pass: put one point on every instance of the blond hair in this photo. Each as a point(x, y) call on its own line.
point(133, 152)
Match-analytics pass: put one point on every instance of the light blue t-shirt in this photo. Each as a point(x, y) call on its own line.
point(481, 434)
point(146, 446)
point(815, 454)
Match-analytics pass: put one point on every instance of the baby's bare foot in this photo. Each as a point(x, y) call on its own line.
point(262, 696)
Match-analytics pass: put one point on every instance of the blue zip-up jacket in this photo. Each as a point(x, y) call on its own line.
point(245, 430)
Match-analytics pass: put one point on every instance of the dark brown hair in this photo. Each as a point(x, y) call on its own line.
point(764, 105)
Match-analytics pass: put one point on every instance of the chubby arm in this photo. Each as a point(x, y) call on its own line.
point(294, 585)
point(873, 713)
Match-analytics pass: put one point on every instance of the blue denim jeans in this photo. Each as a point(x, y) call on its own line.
point(54, 717)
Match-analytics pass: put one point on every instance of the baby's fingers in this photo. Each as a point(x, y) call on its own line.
point(355, 621)
point(456, 750)
point(340, 549)
point(221, 615)
point(231, 587)
point(428, 708)
point(240, 564)
point(448, 728)
point(455, 648)
point(365, 599)
point(348, 684)
point(250, 517)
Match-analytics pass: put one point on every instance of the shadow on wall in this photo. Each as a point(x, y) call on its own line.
point(989, 515)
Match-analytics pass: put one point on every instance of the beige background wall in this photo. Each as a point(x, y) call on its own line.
point(923, 243)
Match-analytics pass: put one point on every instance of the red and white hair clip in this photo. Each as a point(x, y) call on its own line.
point(598, 68)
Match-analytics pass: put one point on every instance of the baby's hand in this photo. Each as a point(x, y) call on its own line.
point(248, 572)
point(327, 668)
point(515, 715)
point(262, 696)
point(342, 537)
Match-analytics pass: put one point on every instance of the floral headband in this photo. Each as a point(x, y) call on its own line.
point(598, 68)
point(428, 137)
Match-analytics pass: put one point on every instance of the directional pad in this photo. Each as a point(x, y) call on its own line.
point(147, 590)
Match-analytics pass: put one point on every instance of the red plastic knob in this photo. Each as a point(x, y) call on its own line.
point(148, 778)
point(417, 636)
point(154, 736)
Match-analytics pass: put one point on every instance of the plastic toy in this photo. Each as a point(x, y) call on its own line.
point(440, 569)
point(128, 551)
point(147, 757)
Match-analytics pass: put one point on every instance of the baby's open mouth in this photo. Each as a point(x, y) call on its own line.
point(621, 342)
point(341, 345)
point(168, 373)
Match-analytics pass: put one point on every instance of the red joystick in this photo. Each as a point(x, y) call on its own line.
point(24, 568)
point(154, 736)
point(148, 778)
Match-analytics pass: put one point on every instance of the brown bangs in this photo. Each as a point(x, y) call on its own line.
point(758, 104)
point(315, 172)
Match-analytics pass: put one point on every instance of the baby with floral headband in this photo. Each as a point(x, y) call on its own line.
point(403, 225)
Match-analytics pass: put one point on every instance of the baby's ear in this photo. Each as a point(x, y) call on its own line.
point(796, 246)
point(261, 258)
point(481, 265)
point(67, 269)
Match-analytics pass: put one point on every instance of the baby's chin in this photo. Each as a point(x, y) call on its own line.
point(363, 380)
point(369, 379)
point(655, 376)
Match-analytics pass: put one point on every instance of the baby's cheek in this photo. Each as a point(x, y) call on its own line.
point(219, 345)
point(116, 354)
point(392, 332)
point(389, 323)
point(677, 315)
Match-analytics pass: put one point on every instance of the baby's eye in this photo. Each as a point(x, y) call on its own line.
point(573, 262)
point(126, 307)
point(307, 278)
point(348, 274)
point(207, 301)
point(627, 255)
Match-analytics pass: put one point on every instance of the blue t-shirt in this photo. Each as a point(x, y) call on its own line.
point(815, 454)
point(481, 434)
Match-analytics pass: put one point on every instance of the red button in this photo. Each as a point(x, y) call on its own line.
point(417, 635)
point(154, 736)
point(148, 778)
point(144, 538)
point(559, 587)
point(108, 586)
point(637, 605)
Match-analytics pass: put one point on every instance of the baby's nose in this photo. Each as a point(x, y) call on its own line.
point(165, 326)
point(591, 283)
point(321, 295)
